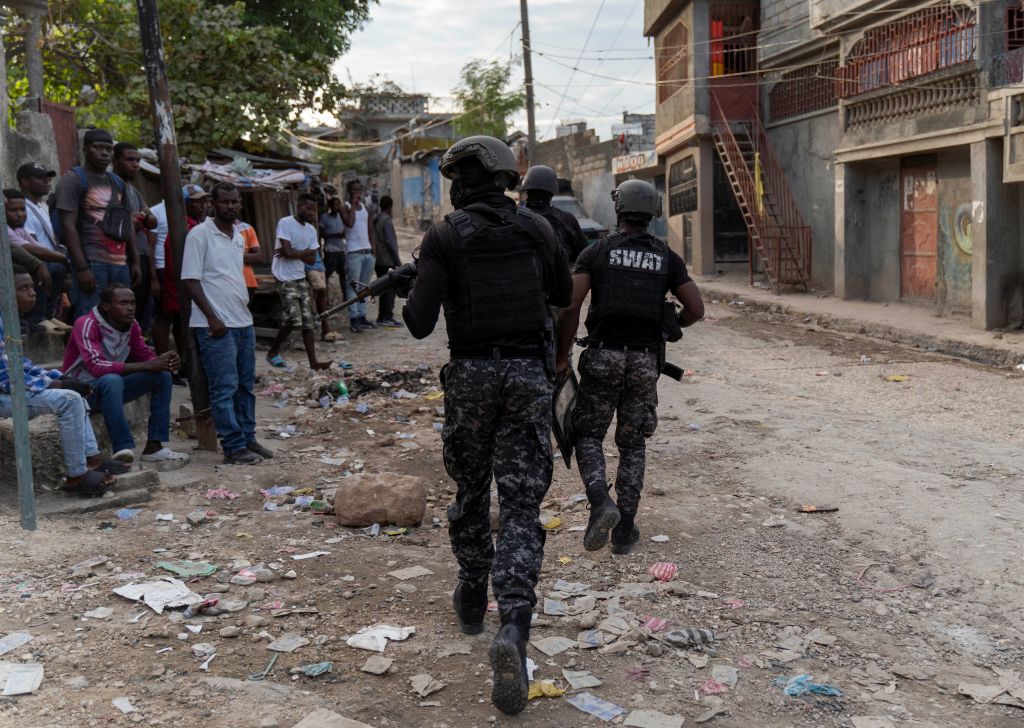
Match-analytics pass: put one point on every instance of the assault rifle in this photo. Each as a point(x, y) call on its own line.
point(397, 278)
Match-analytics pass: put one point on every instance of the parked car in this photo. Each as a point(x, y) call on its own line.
point(591, 227)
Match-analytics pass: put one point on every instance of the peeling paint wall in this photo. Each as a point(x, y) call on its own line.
point(955, 241)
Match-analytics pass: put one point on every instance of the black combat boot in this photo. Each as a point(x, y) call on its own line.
point(508, 660)
point(470, 603)
point(625, 535)
point(603, 516)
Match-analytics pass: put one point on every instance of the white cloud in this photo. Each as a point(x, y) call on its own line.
point(423, 45)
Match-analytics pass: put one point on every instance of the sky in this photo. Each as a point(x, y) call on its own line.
point(422, 44)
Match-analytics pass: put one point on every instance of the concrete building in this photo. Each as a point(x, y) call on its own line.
point(885, 140)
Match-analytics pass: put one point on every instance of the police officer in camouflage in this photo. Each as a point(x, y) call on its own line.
point(494, 269)
point(540, 185)
point(629, 274)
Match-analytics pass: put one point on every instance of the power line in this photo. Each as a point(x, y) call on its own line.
point(622, 27)
point(590, 32)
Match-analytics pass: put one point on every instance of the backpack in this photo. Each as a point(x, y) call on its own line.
point(117, 220)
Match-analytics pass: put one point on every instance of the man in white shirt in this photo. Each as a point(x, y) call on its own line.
point(359, 252)
point(211, 271)
point(34, 180)
point(297, 244)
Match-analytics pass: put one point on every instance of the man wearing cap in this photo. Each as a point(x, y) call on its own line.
point(95, 224)
point(34, 180)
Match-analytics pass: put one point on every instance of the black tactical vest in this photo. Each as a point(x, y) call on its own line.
point(499, 288)
point(631, 279)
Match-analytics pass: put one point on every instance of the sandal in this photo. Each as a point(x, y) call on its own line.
point(276, 361)
point(92, 484)
point(331, 336)
point(113, 467)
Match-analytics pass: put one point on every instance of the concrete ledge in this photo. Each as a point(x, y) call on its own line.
point(128, 489)
point(905, 324)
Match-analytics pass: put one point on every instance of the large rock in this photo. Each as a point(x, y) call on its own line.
point(385, 498)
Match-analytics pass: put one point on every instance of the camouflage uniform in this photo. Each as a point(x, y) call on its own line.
point(624, 383)
point(497, 420)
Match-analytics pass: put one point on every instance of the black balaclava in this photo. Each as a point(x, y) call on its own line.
point(538, 200)
point(474, 184)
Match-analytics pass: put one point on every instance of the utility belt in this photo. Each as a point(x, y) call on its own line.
point(665, 368)
point(497, 353)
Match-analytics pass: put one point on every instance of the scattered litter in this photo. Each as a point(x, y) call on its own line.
point(774, 522)
point(456, 648)
point(88, 567)
point(1009, 691)
point(654, 624)
point(323, 718)
point(689, 637)
point(661, 538)
point(424, 685)
point(590, 638)
point(700, 661)
point(20, 678)
point(257, 676)
point(571, 587)
point(161, 594)
point(544, 689)
point(375, 638)
point(316, 669)
point(431, 396)
point(410, 572)
point(734, 603)
point(126, 514)
point(203, 649)
point(693, 426)
point(912, 672)
point(716, 706)
point(663, 570)
point(653, 719)
point(580, 679)
point(554, 607)
point(811, 508)
point(897, 378)
point(377, 665)
point(288, 642)
point(595, 706)
point(99, 613)
point(820, 637)
point(712, 687)
point(801, 684)
point(553, 645)
point(531, 667)
point(165, 516)
point(404, 394)
point(124, 705)
point(206, 664)
point(13, 641)
point(310, 555)
point(187, 569)
point(865, 359)
point(725, 674)
point(194, 628)
point(220, 494)
point(638, 673)
point(550, 523)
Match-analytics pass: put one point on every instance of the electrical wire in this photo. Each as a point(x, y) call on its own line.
point(590, 32)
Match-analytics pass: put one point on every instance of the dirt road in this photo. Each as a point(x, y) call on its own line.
point(909, 590)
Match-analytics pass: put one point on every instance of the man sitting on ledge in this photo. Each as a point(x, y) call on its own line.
point(88, 474)
point(108, 353)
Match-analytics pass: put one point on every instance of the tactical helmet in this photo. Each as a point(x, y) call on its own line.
point(542, 178)
point(492, 153)
point(638, 197)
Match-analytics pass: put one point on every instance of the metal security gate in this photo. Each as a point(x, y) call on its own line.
point(919, 230)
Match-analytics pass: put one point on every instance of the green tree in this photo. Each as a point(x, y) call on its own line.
point(486, 99)
point(236, 69)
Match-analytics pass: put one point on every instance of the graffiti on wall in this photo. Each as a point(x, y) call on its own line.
point(961, 226)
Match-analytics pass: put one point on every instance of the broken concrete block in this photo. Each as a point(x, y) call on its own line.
point(369, 498)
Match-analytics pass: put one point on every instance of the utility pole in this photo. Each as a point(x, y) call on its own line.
point(170, 181)
point(19, 405)
point(531, 122)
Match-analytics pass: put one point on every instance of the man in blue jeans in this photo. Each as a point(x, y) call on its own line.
point(92, 204)
point(359, 252)
point(107, 352)
point(211, 271)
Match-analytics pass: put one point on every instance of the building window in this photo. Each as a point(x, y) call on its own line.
point(733, 38)
point(929, 40)
point(673, 62)
point(682, 187)
point(803, 91)
point(1014, 28)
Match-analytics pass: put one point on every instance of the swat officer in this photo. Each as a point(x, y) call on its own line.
point(494, 269)
point(627, 324)
point(540, 185)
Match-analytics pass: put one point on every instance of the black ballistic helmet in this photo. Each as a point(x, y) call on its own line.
point(637, 197)
point(542, 178)
point(493, 154)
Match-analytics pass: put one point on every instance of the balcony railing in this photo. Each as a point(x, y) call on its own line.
point(1006, 69)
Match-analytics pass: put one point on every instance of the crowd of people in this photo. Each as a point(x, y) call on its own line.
point(94, 265)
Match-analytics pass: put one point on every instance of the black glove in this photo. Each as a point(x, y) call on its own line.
point(406, 276)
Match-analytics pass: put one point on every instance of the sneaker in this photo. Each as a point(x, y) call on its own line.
point(260, 450)
point(125, 456)
point(389, 323)
point(59, 325)
point(242, 456)
point(167, 458)
point(366, 323)
point(355, 326)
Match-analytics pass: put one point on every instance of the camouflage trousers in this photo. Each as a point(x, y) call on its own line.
point(623, 383)
point(498, 422)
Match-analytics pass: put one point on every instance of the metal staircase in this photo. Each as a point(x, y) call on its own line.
point(777, 231)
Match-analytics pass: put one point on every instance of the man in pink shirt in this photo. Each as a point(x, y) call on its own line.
point(108, 353)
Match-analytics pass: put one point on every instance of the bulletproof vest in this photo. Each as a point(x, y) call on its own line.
point(563, 234)
point(630, 279)
point(499, 288)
